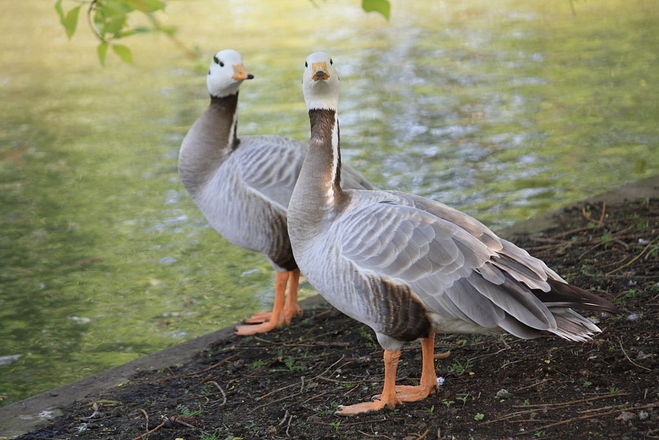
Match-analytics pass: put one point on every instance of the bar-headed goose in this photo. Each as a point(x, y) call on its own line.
point(408, 266)
point(243, 184)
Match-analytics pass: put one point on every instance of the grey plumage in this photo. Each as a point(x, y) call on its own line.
point(466, 278)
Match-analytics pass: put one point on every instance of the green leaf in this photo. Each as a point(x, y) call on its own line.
point(123, 52)
point(70, 22)
point(114, 25)
point(146, 5)
point(60, 11)
point(381, 6)
point(102, 51)
point(113, 9)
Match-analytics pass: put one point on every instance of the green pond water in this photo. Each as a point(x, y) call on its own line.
point(503, 109)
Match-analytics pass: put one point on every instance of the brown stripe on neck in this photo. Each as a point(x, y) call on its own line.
point(322, 124)
point(226, 106)
point(225, 103)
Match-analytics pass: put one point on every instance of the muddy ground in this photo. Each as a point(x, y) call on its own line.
point(287, 384)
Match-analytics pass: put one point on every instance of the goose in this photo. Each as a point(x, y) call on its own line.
point(409, 267)
point(242, 185)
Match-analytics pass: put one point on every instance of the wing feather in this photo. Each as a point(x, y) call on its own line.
point(270, 165)
point(457, 267)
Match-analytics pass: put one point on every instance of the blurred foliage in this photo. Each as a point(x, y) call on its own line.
point(109, 21)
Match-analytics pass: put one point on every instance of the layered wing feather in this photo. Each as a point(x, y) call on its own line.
point(270, 166)
point(457, 267)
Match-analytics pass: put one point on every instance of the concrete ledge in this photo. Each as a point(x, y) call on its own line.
point(26, 415)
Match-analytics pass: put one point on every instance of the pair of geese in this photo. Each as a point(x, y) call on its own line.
point(404, 265)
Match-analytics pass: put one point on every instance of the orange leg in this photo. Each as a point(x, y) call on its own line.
point(291, 307)
point(388, 397)
point(428, 382)
point(276, 317)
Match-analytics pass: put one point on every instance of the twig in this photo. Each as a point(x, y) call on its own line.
point(140, 437)
point(599, 224)
point(575, 230)
point(146, 416)
point(275, 401)
point(194, 373)
point(292, 385)
point(583, 411)
point(633, 259)
point(603, 212)
point(331, 366)
point(382, 419)
point(353, 389)
point(95, 407)
point(315, 344)
point(184, 423)
point(290, 419)
point(224, 396)
point(482, 356)
point(374, 435)
point(571, 402)
point(424, 435)
point(533, 385)
point(284, 419)
point(275, 391)
point(327, 379)
point(90, 22)
point(157, 26)
point(630, 361)
point(315, 396)
point(589, 416)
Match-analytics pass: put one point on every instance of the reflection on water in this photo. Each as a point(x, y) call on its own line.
point(504, 111)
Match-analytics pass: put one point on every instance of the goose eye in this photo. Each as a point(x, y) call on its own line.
point(217, 61)
point(305, 64)
point(331, 62)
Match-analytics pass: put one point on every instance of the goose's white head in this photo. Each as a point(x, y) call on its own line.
point(320, 82)
point(226, 73)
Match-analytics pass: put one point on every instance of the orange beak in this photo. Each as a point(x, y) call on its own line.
point(240, 73)
point(319, 71)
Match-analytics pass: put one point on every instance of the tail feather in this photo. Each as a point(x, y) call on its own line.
point(565, 295)
point(572, 326)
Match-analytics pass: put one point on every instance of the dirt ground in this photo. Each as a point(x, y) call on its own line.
point(287, 384)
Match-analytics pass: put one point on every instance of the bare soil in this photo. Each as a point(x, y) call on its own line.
point(287, 384)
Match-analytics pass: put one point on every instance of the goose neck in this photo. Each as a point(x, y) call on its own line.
point(209, 142)
point(325, 150)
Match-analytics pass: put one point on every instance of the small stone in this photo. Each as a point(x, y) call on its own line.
point(642, 356)
point(440, 381)
point(643, 415)
point(503, 394)
point(633, 317)
point(46, 414)
point(626, 416)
